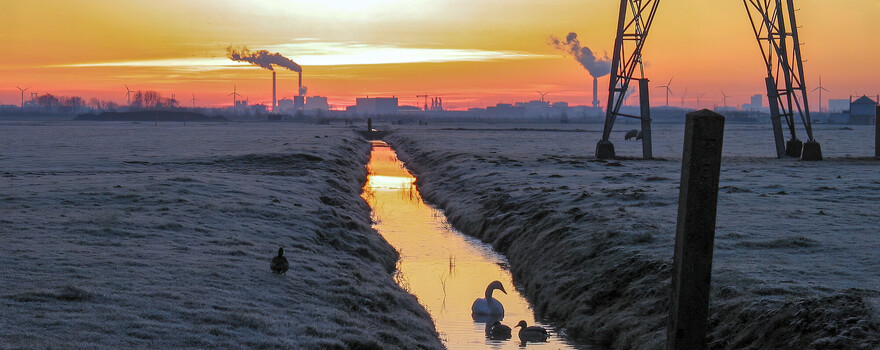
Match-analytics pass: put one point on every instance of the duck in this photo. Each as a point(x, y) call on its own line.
point(497, 331)
point(279, 263)
point(489, 306)
point(532, 333)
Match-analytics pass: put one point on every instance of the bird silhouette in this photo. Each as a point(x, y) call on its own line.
point(488, 306)
point(279, 263)
point(497, 331)
point(532, 333)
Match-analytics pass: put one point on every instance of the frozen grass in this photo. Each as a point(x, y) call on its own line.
point(590, 242)
point(120, 235)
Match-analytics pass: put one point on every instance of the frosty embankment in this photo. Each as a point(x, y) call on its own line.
point(590, 242)
point(120, 235)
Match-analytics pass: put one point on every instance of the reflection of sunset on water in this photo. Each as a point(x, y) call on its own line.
point(446, 270)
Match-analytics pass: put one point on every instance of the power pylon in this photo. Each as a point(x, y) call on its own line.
point(633, 24)
point(775, 27)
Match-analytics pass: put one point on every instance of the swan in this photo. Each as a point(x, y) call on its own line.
point(489, 306)
point(279, 263)
point(532, 334)
point(497, 331)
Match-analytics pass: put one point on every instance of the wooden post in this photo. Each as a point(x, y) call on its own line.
point(369, 124)
point(695, 231)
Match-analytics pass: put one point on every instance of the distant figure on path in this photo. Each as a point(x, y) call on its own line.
point(279, 263)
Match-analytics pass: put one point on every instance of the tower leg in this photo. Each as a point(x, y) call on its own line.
point(604, 150)
point(645, 105)
point(812, 151)
point(793, 148)
point(775, 118)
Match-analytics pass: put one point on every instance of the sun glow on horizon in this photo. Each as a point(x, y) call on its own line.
point(471, 53)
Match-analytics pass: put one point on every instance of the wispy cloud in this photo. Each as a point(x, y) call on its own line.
point(316, 53)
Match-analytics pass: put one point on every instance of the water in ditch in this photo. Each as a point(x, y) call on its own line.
point(443, 268)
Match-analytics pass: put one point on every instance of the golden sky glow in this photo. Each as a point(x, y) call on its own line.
point(472, 53)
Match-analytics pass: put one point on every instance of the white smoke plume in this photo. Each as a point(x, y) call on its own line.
point(262, 58)
point(598, 67)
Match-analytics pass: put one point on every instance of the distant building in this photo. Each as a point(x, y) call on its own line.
point(285, 105)
point(506, 110)
point(756, 103)
point(376, 105)
point(862, 110)
point(317, 103)
point(838, 106)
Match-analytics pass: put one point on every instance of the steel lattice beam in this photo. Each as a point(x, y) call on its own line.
point(775, 28)
point(633, 24)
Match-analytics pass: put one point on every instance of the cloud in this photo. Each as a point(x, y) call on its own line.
point(316, 53)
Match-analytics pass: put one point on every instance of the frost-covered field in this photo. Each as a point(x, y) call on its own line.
point(118, 235)
point(797, 250)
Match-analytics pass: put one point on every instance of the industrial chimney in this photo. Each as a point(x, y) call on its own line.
point(273, 93)
point(595, 92)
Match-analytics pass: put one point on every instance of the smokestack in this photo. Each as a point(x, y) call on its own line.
point(595, 92)
point(300, 90)
point(266, 60)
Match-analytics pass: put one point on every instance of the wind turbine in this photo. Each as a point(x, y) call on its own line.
point(723, 99)
point(128, 94)
point(542, 95)
point(700, 96)
point(194, 100)
point(820, 89)
point(682, 97)
point(234, 94)
point(22, 95)
point(668, 90)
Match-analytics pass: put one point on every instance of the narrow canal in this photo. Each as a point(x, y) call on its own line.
point(443, 268)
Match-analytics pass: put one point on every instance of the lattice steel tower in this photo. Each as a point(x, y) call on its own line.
point(786, 92)
point(633, 24)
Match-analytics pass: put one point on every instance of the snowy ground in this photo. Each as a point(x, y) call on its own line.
point(797, 250)
point(121, 235)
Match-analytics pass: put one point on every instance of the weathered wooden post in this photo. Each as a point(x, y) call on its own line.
point(645, 103)
point(695, 231)
point(369, 124)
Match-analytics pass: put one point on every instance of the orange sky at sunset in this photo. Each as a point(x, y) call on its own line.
point(472, 53)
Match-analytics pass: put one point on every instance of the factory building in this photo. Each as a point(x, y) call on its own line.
point(862, 110)
point(317, 103)
point(376, 105)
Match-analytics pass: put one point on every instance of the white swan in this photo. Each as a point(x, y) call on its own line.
point(489, 306)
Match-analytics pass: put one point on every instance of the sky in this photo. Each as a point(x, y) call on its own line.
point(471, 53)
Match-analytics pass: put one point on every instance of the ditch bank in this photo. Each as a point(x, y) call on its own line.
point(577, 257)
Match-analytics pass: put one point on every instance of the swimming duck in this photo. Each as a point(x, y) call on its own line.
point(488, 306)
point(497, 331)
point(532, 333)
point(279, 263)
